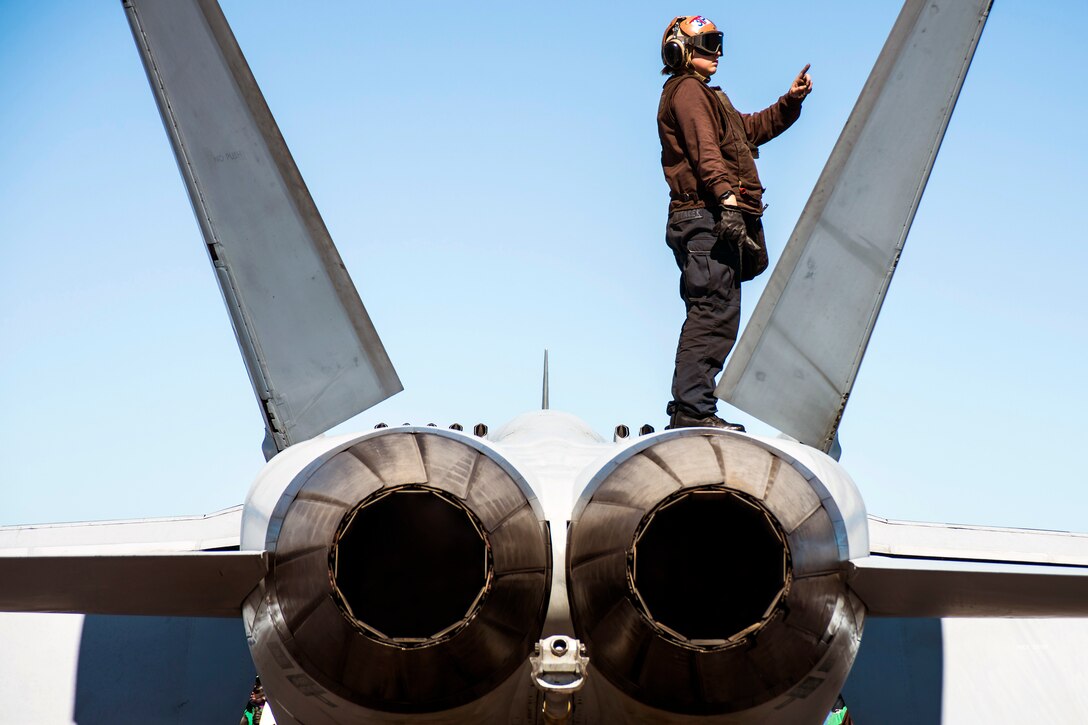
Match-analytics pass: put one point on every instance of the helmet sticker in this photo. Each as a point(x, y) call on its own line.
point(696, 23)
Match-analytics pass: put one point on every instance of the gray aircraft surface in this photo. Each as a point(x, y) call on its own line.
point(538, 572)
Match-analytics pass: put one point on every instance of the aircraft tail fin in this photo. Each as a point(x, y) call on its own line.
point(312, 353)
point(796, 363)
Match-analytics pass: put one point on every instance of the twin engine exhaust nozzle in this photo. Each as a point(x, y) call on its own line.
point(411, 573)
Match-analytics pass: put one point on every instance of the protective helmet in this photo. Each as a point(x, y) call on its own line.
point(687, 33)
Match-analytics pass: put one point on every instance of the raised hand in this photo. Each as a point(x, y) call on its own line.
point(802, 84)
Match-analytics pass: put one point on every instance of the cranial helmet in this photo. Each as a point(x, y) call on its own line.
point(687, 33)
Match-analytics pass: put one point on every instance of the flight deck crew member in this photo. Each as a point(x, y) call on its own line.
point(256, 711)
point(708, 153)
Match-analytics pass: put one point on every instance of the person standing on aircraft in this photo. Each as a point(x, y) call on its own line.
point(708, 152)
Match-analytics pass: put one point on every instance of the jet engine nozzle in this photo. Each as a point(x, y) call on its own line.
point(703, 583)
point(704, 571)
point(410, 574)
point(410, 565)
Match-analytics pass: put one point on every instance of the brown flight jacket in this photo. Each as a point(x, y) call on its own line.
point(708, 148)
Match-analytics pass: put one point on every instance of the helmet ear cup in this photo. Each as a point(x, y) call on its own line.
point(674, 54)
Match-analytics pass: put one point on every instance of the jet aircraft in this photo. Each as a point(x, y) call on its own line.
point(553, 529)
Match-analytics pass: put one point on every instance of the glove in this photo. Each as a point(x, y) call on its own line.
point(731, 227)
point(752, 254)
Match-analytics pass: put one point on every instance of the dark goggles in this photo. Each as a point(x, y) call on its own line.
point(709, 43)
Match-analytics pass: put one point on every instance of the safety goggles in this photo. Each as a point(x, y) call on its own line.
point(709, 43)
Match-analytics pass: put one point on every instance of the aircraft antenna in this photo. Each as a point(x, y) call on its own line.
point(544, 393)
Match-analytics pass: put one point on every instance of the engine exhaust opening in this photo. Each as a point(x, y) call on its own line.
point(410, 565)
point(709, 566)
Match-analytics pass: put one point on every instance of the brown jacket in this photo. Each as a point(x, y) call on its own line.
point(708, 148)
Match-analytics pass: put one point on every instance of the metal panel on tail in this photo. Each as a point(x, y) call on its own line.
point(941, 570)
point(904, 587)
point(797, 360)
point(311, 350)
point(174, 584)
point(182, 566)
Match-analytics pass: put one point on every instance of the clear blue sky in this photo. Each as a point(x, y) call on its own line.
point(490, 174)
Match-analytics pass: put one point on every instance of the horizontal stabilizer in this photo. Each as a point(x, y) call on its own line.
point(218, 531)
point(189, 584)
point(795, 365)
point(175, 566)
point(311, 351)
point(933, 570)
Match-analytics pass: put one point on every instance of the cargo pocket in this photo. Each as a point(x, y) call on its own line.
point(703, 276)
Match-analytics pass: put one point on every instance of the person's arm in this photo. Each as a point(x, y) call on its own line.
point(761, 127)
point(700, 132)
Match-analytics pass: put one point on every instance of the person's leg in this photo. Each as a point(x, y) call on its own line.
point(712, 298)
point(706, 338)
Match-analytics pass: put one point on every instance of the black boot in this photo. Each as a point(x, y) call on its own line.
point(682, 420)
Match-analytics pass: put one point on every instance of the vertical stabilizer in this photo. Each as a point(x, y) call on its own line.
point(797, 360)
point(311, 351)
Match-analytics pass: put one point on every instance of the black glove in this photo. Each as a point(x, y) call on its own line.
point(731, 227)
point(751, 253)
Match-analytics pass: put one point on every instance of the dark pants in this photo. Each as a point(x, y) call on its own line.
point(710, 289)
